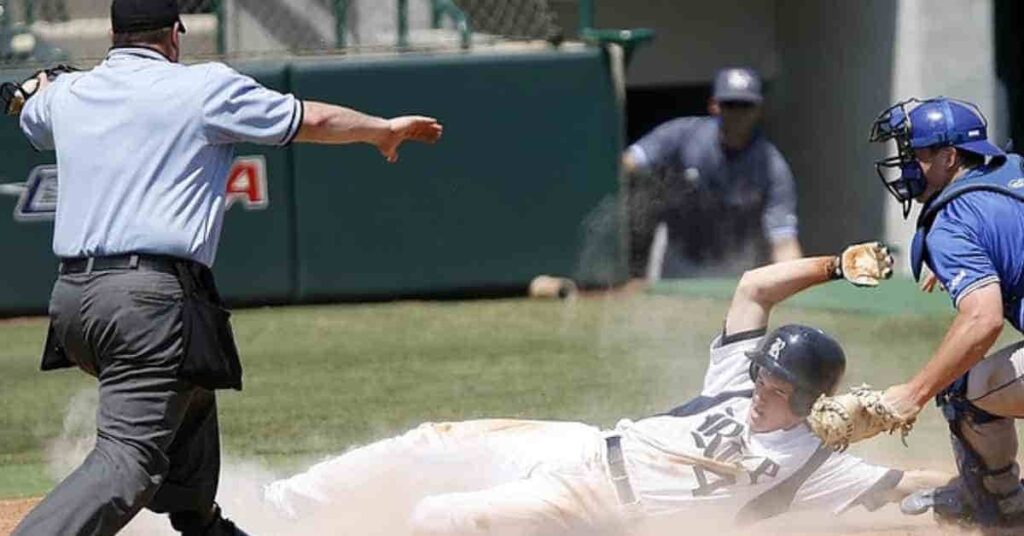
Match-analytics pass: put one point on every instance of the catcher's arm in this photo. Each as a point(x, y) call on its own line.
point(762, 288)
point(978, 323)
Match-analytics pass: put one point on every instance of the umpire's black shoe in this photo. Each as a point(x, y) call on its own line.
point(210, 524)
point(224, 527)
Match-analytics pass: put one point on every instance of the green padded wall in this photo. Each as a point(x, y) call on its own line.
point(255, 261)
point(27, 268)
point(528, 156)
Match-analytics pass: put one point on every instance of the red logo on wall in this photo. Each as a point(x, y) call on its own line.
point(247, 183)
point(37, 196)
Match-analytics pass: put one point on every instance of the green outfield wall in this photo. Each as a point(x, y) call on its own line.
point(524, 182)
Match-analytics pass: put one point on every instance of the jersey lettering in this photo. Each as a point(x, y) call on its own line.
point(767, 468)
point(720, 437)
point(721, 424)
point(708, 481)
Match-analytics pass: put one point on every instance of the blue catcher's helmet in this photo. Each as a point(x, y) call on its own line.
point(916, 124)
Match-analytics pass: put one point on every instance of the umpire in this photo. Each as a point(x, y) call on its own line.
point(143, 146)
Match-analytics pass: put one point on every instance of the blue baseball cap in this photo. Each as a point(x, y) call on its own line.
point(737, 84)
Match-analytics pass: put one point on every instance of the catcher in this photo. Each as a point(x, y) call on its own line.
point(741, 450)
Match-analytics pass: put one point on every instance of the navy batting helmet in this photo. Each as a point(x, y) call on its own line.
point(806, 357)
point(917, 124)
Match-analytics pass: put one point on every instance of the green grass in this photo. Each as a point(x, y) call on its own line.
point(895, 297)
point(321, 378)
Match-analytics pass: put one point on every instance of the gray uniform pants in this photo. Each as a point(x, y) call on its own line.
point(157, 441)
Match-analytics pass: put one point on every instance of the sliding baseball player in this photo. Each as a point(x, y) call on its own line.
point(740, 451)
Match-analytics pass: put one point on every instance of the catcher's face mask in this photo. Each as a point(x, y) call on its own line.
point(928, 124)
point(901, 174)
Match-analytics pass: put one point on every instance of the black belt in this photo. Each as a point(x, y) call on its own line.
point(150, 263)
point(617, 471)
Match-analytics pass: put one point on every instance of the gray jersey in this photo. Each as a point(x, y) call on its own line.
point(719, 205)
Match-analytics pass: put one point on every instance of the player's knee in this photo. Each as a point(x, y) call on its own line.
point(996, 389)
point(137, 464)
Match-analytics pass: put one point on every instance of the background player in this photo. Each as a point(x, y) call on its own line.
point(971, 234)
point(740, 450)
point(723, 191)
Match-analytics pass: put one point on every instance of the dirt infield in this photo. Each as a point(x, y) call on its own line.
point(12, 511)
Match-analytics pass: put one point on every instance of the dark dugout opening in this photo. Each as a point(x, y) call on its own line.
point(1009, 15)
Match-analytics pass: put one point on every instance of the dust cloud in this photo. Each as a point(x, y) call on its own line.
point(381, 491)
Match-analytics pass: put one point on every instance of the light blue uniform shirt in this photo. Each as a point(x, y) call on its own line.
point(143, 150)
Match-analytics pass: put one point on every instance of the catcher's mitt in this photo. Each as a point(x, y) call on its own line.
point(13, 95)
point(854, 416)
point(864, 264)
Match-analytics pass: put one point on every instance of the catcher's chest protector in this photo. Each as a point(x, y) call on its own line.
point(1003, 175)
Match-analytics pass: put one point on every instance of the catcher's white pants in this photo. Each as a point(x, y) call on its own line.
point(996, 385)
point(486, 476)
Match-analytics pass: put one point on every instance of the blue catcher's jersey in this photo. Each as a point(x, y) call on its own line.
point(977, 234)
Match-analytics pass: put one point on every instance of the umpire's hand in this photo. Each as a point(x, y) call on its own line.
point(333, 124)
point(408, 127)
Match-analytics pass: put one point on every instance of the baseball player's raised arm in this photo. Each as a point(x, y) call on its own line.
point(762, 288)
point(786, 249)
point(331, 124)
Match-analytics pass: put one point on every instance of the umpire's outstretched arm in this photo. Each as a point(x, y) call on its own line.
point(328, 123)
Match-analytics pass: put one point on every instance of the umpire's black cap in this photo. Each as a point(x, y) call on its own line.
point(128, 16)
